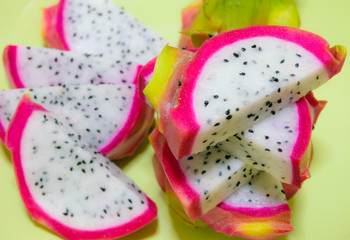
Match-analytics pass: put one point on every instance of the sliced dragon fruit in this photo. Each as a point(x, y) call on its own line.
point(68, 186)
point(110, 117)
point(203, 180)
point(239, 78)
point(99, 27)
point(37, 67)
point(277, 144)
point(257, 210)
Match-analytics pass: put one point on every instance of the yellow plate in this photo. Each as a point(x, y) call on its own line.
point(320, 210)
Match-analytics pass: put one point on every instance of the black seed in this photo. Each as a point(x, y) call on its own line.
point(216, 96)
point(250, 115)
point(267, 149)
point(280, 150)
point(227, 112)
point(236, 55)
point(242, 74)
point(216, 124)
point(190, 158)
point(237, 184)
point(297, 65)
point(225, 60)
point(267, 195)
point(206, 103)
point(282, 61)
point(255, 163)
point(273, 112)
point(254, 46)
point(103, 189)
point(229, 117)
point(203, 172)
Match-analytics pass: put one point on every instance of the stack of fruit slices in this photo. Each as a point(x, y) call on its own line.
point(234, 122)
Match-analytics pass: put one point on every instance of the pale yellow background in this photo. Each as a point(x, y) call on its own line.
point(321, 210)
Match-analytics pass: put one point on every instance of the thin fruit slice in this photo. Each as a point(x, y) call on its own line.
point(37, 67)
point(110, 117)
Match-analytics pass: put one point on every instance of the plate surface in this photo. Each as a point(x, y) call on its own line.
point(320, 210)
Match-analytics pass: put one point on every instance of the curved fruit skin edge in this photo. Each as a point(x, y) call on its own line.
point(183, 119)
point(13, 141)
point(144, 78)
point(9, 58)
point(302, 143)
point(233, 221)
point(52, 26)
point(190, 199)
point(133, 132)
point(242, 224)
point(317, 105)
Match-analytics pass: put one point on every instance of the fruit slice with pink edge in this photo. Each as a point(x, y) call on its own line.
point(99, 27)
point(28, 67)
point(201, 181)
point(237, 79)
point(68, 186)
point(110, 117)
point(257, 210)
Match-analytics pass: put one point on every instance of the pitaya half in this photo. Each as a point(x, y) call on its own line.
point(37, 66)
point(99, 27)
point(68, 186)
point(257, 210)
point(239, 78)
point(203, 180)
point(110, 117)
point(277, 144)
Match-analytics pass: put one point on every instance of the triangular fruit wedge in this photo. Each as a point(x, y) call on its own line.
point(68, 186)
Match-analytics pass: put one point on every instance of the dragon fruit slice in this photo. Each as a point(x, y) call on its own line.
point(277, 144)
point(239, 78)
point(257, 210)
point(37, 66)
point(203, 180)
point(110, 117)
point(68, 186)
point(99, 27)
